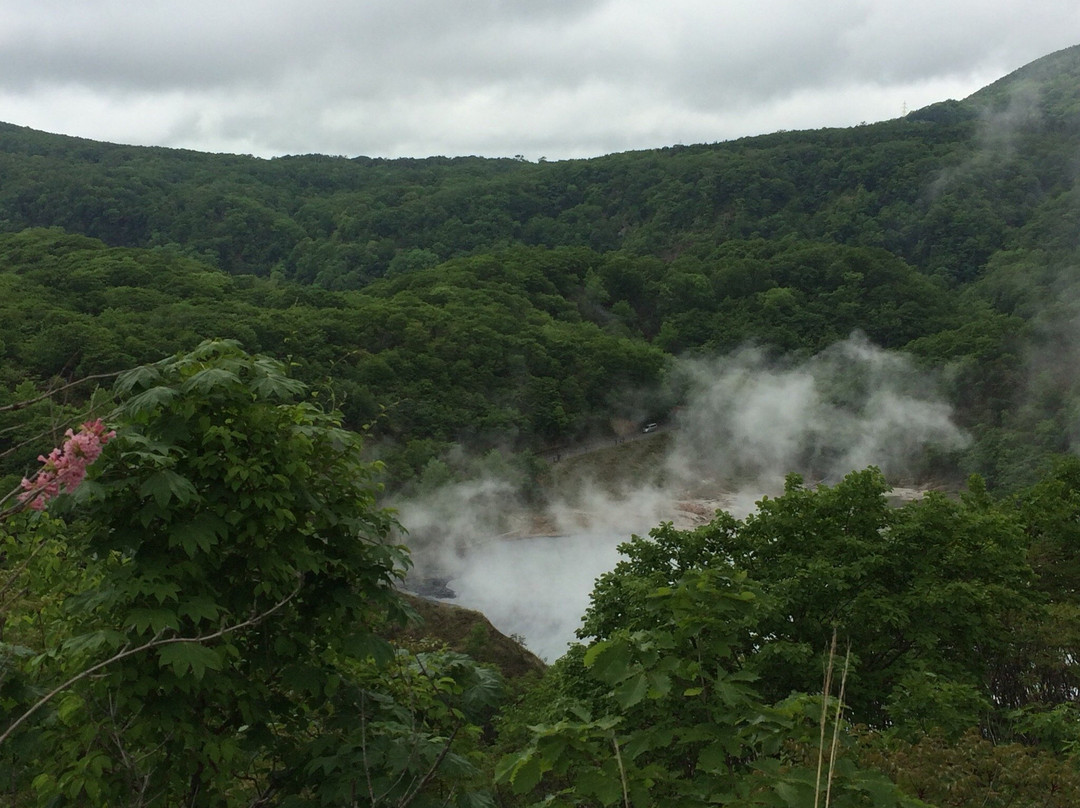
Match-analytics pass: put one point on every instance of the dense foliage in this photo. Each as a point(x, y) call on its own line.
point(201, 621)
point(701, 648)
point(942, 188)
point(201, 630)
point(234, 571)
point(945, 233)
point(489, 351)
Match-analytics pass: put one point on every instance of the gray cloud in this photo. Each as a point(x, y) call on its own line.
point(561, 79)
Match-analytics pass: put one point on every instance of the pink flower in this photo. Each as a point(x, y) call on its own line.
point(65, 467)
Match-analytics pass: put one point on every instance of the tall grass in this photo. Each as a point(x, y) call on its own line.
point(826, 696)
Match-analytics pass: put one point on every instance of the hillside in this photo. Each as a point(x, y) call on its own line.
point(394, 282)
point(915, 186)
point(201, 593)
point(1046, 91)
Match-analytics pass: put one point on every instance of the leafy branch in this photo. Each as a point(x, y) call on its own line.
point(156, 641)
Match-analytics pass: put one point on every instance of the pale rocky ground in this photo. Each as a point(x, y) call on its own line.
point(684, 513)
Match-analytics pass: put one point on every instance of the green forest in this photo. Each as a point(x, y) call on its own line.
point(216, 370)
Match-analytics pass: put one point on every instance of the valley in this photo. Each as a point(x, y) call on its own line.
point(325, 380)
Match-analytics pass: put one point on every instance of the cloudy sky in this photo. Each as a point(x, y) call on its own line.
point(551, 78)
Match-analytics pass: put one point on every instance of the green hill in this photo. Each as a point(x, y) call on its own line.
point(504, 303)
point(202, 620)
point(342, 222)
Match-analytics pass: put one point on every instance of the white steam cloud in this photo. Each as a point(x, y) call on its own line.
point(746, 423)
point(852, 406)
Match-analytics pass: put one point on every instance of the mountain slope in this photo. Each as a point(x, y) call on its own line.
point(504, 303)
point(342, 222)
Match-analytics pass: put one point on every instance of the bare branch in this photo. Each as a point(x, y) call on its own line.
point(427, 778)
point(19, 405)
point(622, 770)
point(363, 745)
point(156, 642)
point(836, 727)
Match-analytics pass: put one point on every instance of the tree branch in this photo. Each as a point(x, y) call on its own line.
point(427, 778)
point(155, 642)
point(19, 405)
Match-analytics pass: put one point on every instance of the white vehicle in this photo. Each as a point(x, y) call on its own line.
point(649, 428)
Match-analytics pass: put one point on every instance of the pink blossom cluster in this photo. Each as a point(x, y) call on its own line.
point(65, 467)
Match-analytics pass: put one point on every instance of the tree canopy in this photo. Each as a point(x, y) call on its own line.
point(202, 627)
point(200, 619)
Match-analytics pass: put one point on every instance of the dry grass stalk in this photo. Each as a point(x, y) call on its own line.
point(836, 725)
point(826, 690)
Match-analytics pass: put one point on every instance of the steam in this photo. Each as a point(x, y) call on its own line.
point(1021, 111)
point(746, 422)
point(1001, 122)
point(852, 406)
point(1047, 403)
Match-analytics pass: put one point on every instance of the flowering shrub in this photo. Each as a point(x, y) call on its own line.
point(65, 467)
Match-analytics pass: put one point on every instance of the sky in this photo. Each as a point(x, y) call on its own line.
point(554, 79)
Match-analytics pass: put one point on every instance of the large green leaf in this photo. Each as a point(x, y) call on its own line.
point(189, 658)
point(608, 659)
point(631, 691)
point(165, 484)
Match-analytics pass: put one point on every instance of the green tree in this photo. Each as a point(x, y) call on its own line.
point(674, 717)
point(219, 638)
point(928, 594)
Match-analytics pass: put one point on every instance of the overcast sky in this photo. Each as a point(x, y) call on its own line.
point(551, 78)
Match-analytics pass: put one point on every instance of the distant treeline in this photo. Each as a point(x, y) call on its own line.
point(503, 303)
point(937, 188)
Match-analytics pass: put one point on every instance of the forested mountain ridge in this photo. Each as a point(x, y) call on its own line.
point(194, 596)
point(944, 233)
point(943, 188)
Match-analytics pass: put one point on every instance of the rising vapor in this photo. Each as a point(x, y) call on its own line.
point(746, 422)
